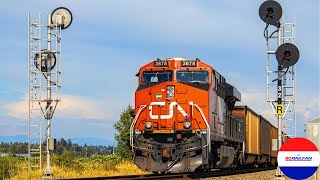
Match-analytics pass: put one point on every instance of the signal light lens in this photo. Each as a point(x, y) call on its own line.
point(270, 11)
point(187, 124)
point(148, 125)
point(46, 62)
point(287, 54)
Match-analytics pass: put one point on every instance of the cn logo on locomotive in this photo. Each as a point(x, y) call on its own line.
point(169, 116)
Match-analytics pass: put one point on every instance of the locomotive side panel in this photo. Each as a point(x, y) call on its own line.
point(221, 119)
point(218, 109)
point(216, 124)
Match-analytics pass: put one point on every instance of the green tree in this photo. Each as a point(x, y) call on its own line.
point(123, 136)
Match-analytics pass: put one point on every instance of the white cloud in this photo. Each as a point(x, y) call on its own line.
point(310, 109)
point(71, 107)
point(306, 108)
point(258, 103)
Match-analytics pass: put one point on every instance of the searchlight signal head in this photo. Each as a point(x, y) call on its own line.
point(47, 61)
point(287, 55)
point(61, 17)
point(270, 12)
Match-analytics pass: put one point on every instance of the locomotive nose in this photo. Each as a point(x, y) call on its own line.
point(169, 108)
point(162, 92)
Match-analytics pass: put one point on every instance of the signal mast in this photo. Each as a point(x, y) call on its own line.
point(281, 57)
point(44, 81)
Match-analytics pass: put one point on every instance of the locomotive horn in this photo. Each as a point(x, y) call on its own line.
point(270, 12)
point(287, 55)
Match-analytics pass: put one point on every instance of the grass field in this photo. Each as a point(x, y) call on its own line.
point(110, 165)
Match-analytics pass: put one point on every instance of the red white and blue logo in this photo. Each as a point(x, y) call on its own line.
point(298, 158)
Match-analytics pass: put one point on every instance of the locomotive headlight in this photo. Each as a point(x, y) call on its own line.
point(148, 125)
point(187, 124)
point(170, 91)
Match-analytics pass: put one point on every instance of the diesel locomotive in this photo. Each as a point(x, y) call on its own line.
point(186, 120)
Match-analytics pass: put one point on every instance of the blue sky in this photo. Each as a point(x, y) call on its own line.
point(109, 40)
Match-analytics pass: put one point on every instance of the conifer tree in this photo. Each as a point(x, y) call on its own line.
point(123, 136)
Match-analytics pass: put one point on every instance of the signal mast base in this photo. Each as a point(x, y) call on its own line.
point(47, 174)
point(279, 175)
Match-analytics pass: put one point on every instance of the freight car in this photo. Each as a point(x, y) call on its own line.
point(186, 120)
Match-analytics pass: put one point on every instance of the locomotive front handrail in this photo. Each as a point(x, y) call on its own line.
point(142, 107)
point(134, 122)
point(208, 127)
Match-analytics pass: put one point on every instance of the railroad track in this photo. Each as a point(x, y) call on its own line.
point(184, 176)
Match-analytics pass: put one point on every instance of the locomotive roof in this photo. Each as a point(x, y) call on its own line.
point(175, 59)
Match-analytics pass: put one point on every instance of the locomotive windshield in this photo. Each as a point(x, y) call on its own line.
point(193, 76)
point(156, 76)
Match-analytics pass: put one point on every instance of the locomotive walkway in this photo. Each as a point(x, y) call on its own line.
point(184, 176)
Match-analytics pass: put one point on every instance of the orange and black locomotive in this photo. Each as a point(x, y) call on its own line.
point(186, 120)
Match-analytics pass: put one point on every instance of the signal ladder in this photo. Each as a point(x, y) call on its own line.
point(287, 31)
point(44, 93)
point(35, 112)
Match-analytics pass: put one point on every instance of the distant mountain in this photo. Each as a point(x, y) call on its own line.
point(78, 140)
point(91, 141)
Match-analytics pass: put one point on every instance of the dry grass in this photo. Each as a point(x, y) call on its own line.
point(84, 167)
point(123, 168)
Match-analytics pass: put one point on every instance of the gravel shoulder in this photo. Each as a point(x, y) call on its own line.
point(265, 175)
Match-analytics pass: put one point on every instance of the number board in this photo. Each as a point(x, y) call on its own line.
point(188, 63)
point(160, 63)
